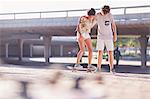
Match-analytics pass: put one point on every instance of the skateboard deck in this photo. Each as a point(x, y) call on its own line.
point(80, 69)
point(71, 68)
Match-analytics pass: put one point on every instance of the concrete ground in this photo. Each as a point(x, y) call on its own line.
point(85, 60)
point(56, 82)
point(125, 66)
point(34, 79)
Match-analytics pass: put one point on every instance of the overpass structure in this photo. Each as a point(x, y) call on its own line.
point(134, 21)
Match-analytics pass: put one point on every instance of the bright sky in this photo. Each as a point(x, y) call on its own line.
point(11, 6)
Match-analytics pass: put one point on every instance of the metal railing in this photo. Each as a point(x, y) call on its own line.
point(71, 13)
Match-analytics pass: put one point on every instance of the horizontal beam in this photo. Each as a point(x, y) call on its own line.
point(68, 11)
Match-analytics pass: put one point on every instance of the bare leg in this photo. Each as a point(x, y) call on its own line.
point(111, 59)
point(100, 57)
point(117, 62)
point(81, 51)
point(90, 50)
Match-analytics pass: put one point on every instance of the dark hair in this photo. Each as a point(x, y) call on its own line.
point(91, 12)
point(106, 9)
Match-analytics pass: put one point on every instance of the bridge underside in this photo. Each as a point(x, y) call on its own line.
point(35, 32)
point(123, 29)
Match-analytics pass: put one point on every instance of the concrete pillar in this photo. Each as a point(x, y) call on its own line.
point(7, 50)
point(143, 43)
point(50, 50)
point(61, 50)
point(20, 43)
point(31, 50)
point(47, 42)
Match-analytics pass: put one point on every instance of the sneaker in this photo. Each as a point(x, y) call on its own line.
point(91, 67)
point(97, 70)
point(112, 71)
point(78, 66)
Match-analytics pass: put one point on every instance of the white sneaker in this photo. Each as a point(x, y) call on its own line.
point(112, 71)
point(97, 70)
point(78, 66)
point(91, 67)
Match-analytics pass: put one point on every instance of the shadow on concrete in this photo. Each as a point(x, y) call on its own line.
point(105, 67)
point(132, 69)
point(26, 64)
point(124, 69)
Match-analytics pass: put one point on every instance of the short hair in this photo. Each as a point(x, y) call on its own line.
point(91, 12)
point(106, 9)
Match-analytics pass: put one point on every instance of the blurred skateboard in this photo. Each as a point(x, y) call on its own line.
point(80, 69)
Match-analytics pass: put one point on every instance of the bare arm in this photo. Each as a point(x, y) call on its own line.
point(78, 29)
point(114, 31)
point(78, 26)
point(94, 22)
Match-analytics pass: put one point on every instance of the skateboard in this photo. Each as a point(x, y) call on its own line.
point(81, 69)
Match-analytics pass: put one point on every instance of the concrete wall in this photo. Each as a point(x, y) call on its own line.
point(38, 50)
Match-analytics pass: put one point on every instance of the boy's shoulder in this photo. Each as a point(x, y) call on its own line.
point(110, 14)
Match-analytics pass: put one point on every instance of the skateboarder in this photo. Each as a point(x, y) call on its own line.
point(83, 37)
